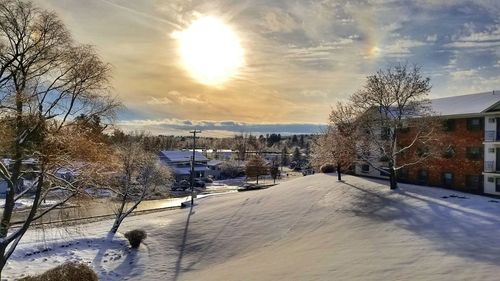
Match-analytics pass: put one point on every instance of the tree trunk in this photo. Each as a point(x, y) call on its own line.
point(257, 179)
point(3, 261)
point(339, 174)
point(392, 177)
point(116, 224)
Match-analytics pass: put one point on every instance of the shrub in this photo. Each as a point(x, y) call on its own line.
point(135, 237)
point(69, 272)
point(327, 168)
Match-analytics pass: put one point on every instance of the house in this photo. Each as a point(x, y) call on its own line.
point(471, 132)
point(214, 168)
point(180, 163)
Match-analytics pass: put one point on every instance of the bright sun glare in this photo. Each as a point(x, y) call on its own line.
point(210, 51)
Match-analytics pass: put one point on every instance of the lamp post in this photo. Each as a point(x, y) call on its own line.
point(194, 132)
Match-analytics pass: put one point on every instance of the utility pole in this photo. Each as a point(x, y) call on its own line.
point(194, 132)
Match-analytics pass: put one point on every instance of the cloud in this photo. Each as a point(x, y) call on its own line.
point(277, 20)
point(463, 74)
point(314, 93)
point(431, 38)
point(159, 101)
point(321, 51)
point(486, 39)
point(401, 47)
point(182, 127)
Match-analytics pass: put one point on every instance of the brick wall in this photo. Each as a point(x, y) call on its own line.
point(460, 138)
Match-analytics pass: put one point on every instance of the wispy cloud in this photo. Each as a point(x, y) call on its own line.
point(301, 56)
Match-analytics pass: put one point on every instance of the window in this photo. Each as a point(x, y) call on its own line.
point(474, 124)
point(497, 185)
point(491, 120)
point(447, 179)
point(474, 153)
point(491, 150)
point(491, 179)
point(473, 182)
point(449, 125)
point(365, 168)
point(422, 176)
point(448, 152)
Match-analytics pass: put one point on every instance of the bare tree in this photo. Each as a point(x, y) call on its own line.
point(240, 144)
point(337, 144)
point(392, 101)
point(46, 80)
point(140, 175)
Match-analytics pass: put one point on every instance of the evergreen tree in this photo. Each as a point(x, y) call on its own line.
point(285, 158)
point(297, 156)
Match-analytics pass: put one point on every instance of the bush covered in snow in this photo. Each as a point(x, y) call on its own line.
point(69, 271)
point(327, 168)
point(135, 237)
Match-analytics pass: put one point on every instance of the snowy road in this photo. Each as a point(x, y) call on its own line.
point(315, 228)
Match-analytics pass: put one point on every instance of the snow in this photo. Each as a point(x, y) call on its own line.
point(309, 228)
point(24, 203)
point(465, 104)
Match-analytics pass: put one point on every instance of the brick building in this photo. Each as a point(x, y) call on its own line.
point(470, 147)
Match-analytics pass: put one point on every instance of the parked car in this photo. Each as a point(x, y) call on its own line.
point(199, 183)
point(181, 185)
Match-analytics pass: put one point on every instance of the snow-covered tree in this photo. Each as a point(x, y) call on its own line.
point(138, 176)
point(391, 101)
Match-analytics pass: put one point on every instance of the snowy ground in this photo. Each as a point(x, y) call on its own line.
point(310, 228)
point(27, 203)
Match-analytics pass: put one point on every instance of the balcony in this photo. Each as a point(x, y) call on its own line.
point(489, 167)
point(491, 136)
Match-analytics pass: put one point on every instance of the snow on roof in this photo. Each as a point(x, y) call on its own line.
point(466, 104)
point(182, 155)
point(214, 162)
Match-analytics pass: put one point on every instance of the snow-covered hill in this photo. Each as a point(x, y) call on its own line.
point(311, 228)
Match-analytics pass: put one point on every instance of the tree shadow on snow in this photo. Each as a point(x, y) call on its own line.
point(464, 232)
point(196, 245)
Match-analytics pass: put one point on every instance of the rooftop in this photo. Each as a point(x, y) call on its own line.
point(182, 155)
point(466, 104)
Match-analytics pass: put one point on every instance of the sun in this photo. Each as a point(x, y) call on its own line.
point(210, 51)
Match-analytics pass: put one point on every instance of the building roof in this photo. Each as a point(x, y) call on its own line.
point(466, 104)
point(214, 162)
point(182, 155)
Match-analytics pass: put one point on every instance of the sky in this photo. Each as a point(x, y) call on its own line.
point(300, 57)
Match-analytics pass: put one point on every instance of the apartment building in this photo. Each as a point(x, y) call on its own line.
point(470, 147)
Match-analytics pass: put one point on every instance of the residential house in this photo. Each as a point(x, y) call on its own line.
point(214, 168)
point(180, 163)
